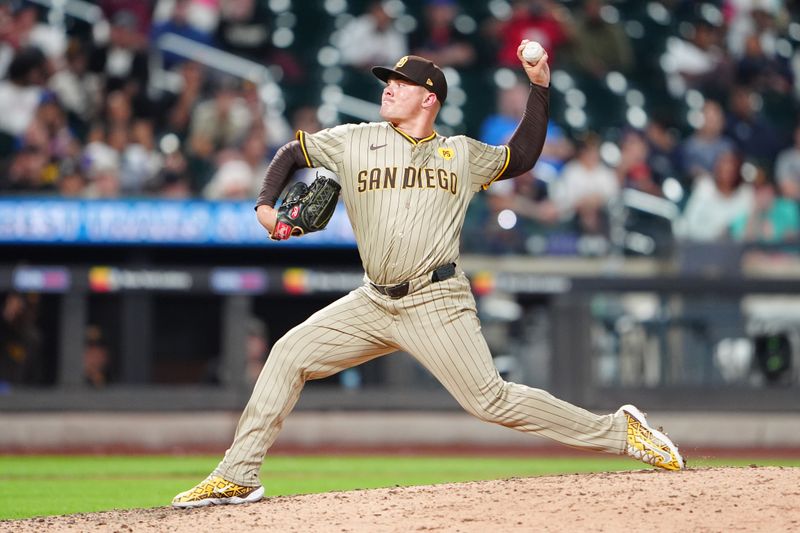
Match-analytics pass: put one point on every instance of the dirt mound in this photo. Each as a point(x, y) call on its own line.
point(715, 499)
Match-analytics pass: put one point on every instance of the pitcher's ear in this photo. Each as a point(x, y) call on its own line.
point(429, 100)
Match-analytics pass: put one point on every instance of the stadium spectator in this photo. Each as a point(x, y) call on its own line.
point(234, 180)
point(498, 127)
point(204, 15)
point(699, 152)
point(526, 197)
point(698, 62)
point(771, 219)
point(716, 201)
point(219, 122)
point(173, 180)
point(754, 135)
point(50, 132)
point(71, 181)
point(118, 110)
point(78, 90)
point(172, 185)
point(178, 107)
point(633, 169)
point(141, 161)
point(20, 340)
point(438, 39)
point(787, 169)
point(179, 22)
point(24, 171)
point(530, 201)
point(117, 138)
point(558, 149)
point(306, 118)
point(26, 30)
point(6, 30)
point(545, 21)
point(257, 156)
point(17, 22)
point(101, 166)
point(34, 166)
point(600, 44)
point(753, 18)
point(761, 72)
point(585, 187)
point(103, 183)
point(663, 148)
point(21, 92)
point(244, 28)
point(96, 358)
point(371, 39)
point(272, 124)
point(137, 14)
point(121, 45)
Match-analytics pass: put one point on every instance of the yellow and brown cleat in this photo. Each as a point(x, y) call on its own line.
point(215, 490)
point(648, 444)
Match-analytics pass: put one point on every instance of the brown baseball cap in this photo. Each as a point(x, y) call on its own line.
point(417, 70)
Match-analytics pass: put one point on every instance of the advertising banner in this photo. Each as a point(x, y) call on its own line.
point(150, 222)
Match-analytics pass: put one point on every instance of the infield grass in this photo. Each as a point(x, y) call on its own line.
point(53, 485)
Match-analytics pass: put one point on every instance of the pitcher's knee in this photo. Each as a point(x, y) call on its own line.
point(285, 359)
point(491, 403)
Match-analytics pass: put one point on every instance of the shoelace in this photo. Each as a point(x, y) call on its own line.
point(642, 455)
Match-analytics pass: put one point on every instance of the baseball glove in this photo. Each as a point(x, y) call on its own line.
point(306, 208)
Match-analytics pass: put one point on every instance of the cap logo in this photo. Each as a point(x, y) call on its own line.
point(429, 82)
point(447, 153)
point(403, 61)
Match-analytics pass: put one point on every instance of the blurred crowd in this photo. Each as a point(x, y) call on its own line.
point(80, 116)
point(90, 111)
point(715, 160)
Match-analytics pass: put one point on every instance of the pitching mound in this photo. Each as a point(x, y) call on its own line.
point(717, 499)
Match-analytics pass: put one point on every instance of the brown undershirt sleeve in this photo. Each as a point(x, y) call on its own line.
point(526, 144)
point(287, 160)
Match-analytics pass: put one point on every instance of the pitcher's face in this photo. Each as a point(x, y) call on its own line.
point(401, 99)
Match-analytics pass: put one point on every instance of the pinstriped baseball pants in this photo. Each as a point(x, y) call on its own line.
point(438, 325)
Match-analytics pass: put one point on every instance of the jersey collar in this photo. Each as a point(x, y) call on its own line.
point(411, 139)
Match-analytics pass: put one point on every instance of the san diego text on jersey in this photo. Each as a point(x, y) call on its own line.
point(410, 178)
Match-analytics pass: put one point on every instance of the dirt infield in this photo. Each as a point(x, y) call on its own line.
point(714, 499)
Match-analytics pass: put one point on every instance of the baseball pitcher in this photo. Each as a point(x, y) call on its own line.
point(406, 190)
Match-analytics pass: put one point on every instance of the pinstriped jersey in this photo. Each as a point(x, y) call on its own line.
point(406, 198)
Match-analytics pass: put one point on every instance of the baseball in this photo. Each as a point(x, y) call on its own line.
point(532, 52)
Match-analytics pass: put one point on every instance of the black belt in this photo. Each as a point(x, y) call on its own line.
point(398, 291)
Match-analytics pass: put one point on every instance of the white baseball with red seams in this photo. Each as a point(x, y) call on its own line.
point(532, 52)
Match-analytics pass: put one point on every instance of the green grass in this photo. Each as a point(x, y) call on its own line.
point(53, 485)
